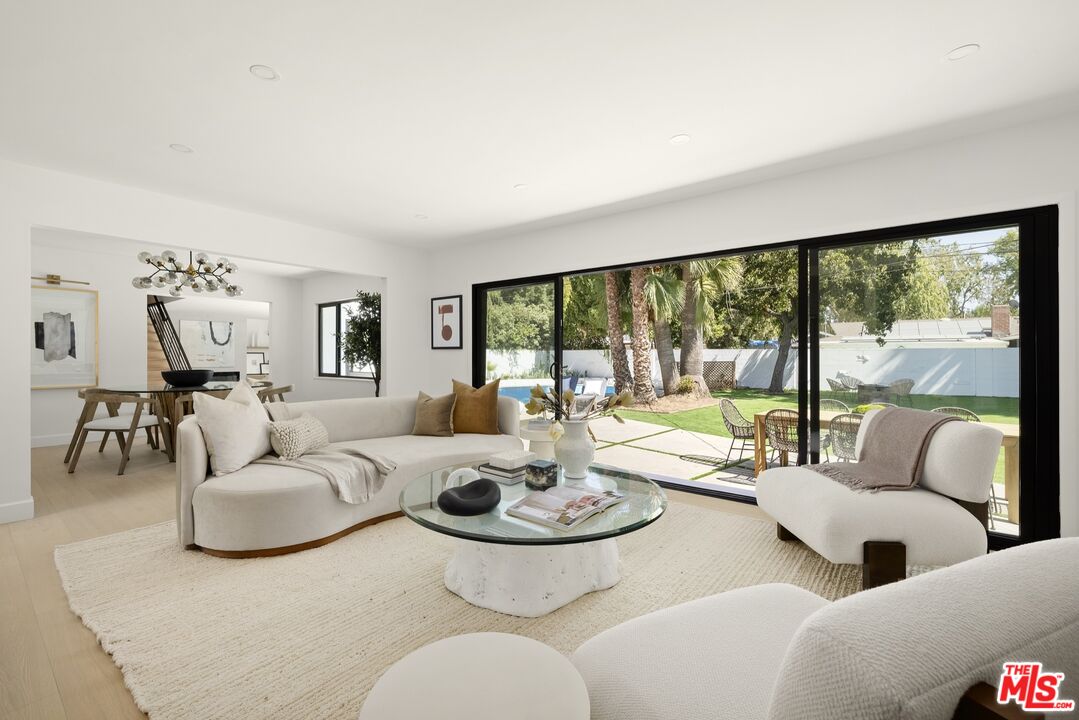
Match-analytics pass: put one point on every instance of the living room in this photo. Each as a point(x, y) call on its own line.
point(606, 148)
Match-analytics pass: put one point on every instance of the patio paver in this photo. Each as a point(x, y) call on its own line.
point(649, 461)
point(609, 430)
point(683, 442)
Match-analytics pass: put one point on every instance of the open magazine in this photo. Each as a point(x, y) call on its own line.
point(563, 508)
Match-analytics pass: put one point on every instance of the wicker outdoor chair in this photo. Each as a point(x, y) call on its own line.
point(961, 413)
point(901, 389)
point(834, 405)
point(837, 386)
point(996, 505)
point(849, 381)
point(781, 427)
point(737, 426)
point(843, 434)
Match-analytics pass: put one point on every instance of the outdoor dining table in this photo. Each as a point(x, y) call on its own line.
point(1010, 443)
point(164, 395)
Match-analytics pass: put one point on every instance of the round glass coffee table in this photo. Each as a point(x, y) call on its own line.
point(526, 569)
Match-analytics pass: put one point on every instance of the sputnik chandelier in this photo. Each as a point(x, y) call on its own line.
point(199, 275)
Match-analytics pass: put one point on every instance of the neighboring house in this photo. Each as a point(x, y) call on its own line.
point(1001, 329)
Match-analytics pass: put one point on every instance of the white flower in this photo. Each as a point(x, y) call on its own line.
point(556, 431)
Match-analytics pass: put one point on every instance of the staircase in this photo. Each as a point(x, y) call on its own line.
point(163, 348)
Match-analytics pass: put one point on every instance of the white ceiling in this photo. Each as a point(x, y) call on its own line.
point(392, 109)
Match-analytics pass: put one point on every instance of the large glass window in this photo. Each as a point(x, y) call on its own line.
point(744, 360)
point(332, 324)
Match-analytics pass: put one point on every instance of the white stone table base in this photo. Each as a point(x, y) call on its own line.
point(530, 580)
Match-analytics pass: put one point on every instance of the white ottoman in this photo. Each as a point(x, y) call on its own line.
point(480, 676)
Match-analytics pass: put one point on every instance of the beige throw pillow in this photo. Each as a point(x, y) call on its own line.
point(476, 410)
point(434, 416)
point(292, 438)
point(236, 428)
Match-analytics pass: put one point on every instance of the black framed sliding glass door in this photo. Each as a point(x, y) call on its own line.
point(958, 316)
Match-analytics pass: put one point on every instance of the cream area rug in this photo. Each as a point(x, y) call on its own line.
point(307, 635)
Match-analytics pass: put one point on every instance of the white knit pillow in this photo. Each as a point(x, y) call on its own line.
point(292, 438)
point(236, 428)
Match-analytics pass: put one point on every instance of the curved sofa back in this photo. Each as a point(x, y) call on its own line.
point(360, 418)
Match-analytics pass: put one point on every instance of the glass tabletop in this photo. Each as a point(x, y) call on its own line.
point(164, 387)
point(644, 503)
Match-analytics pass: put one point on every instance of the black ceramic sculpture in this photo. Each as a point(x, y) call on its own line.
point(475, 498)
point(187, 378)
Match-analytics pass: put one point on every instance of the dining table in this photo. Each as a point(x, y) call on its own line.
point(1009, 442)
point(163, 397)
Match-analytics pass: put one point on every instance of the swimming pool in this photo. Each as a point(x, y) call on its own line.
point(522, 392)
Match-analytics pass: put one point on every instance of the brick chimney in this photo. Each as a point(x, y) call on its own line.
point(1001, 321)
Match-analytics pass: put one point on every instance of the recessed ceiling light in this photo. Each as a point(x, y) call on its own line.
point(419, 217)
point(181, 148)
point(679, 139)
point(963, 51)
point(520, 186)
point(263, 72)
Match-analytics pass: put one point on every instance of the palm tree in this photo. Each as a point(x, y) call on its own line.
point(704, 281)
point(643, 392)
point(623, 379)
point(663, 290)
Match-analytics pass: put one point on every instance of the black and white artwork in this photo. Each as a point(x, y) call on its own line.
point(209, 343)
point(63, 324)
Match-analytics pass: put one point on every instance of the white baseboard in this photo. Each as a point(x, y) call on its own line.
point(18, 510)
point(49, 440)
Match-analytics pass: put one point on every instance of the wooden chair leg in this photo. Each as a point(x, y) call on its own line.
point(78, 450)
point(784, 534)
point(120, 440)
point(150, 439)
point(74, 440)
point(883, 562)
point(131, 433)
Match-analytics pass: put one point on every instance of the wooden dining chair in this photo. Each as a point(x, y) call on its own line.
point(124, 426)
point(274, 394)
point(89, 411)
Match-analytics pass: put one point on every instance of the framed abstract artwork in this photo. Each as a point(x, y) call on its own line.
point(208, 343)
point(446, 323)
point(64, 338)
point(254, 362)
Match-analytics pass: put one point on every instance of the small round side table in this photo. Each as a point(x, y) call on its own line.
point(539, 441)
point(480, 676)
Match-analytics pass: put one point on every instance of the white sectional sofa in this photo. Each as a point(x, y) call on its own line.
point(268, 509)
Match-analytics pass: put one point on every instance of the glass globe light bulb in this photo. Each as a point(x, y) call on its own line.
point(168, 256)
point(144, 256)
point(158, 281)
point(175, 291)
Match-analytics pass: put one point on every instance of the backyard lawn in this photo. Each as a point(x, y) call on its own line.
point(749, 402)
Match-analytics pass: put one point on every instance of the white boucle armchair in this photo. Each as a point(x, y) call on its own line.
point(926, 648)
point(940, 522)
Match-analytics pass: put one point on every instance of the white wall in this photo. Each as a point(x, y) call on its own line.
point(329, 287)
point(1023, 166)
point(38, 198)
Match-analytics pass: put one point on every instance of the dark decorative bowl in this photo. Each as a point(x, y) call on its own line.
point(475, 498)
point(187, 378)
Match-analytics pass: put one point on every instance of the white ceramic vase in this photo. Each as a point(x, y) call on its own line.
point(575, 450)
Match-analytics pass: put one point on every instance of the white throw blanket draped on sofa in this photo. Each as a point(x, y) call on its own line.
point(354, 475)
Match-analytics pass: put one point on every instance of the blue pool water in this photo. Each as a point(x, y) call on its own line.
point(521, 393)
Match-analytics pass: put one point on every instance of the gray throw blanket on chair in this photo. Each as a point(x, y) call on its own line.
point(893, 451)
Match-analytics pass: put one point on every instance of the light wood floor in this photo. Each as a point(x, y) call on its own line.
point(50, 665)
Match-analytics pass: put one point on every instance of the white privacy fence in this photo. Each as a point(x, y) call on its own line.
point(941, 370)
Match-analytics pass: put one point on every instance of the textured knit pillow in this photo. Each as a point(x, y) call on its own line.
point(476, 410)
point(434, 416)
point(236, 428)
point(292, 438)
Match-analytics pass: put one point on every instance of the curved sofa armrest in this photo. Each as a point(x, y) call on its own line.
point(192, 467)
point(509, 416)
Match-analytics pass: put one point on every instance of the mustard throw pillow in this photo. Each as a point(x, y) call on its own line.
point(434, 416)
point(476, 410)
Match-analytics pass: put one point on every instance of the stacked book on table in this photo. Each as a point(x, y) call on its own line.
point(507, 468)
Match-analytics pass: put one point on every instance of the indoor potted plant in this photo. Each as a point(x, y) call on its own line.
point(574, 446)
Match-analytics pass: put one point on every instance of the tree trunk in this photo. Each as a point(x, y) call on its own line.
point(786, 334)
point(668, 366)
point(643, 392)
point(692, 360)
point(623, 379)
